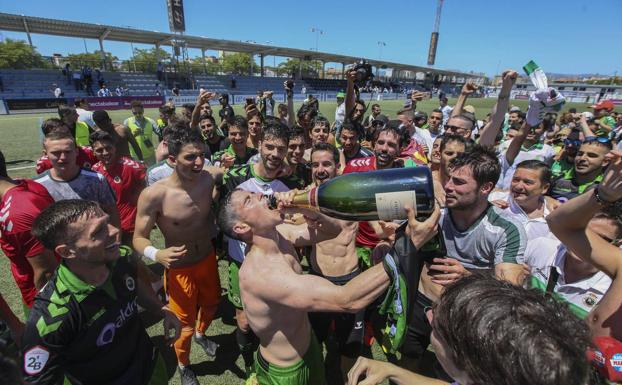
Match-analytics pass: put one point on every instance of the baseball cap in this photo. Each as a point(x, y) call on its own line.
point(421, 115)
point(469, 108)
point(515, 109)
point(606, 356)
point(588, 115)
point(604, 105)
point(341, 94)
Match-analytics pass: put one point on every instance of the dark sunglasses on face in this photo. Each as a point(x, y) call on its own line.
point(453, 128)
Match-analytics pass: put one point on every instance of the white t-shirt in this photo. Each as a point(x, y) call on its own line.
point(340, 113)
point(422, 137)
point(534, 228)
point(542, 152)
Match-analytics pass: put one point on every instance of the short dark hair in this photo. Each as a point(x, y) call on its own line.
point(77, 102)
point(351, 126)
point(466, 116)
point(375, 105)
point(101, 136)
point(207, 117)
point(321, 119)
point(483, 164)
point(100, 117)
point(500, 333)
point(188, 106)
point(52, 124)
point(3, 172)
point(51, 226)
point(320, 146)
point(136, 104)
point(227, 217)
point(167, 109)
point(305, 110)
point(538, 165)
point(275, 130)
point(180, 135)
point(455, 138)
point(592, 140)
point(402, 135)
point(64, 109)
point(296, 132)
point(237, 121)
point(281, 106)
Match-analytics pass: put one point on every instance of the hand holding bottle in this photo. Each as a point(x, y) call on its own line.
point(421, 232)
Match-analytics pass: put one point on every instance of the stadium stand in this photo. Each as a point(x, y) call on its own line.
point(254, 83)
point(314, 85)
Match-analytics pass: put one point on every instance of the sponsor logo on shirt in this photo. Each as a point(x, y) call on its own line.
point(35, 360)
point(106, 336)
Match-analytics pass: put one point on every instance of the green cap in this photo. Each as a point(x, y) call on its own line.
point(341, 95)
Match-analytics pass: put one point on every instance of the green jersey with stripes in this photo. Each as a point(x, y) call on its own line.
point(90, 335)
point(494, 238)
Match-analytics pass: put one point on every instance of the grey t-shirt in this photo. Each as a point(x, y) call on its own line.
point(495, 238)
point(86, 185)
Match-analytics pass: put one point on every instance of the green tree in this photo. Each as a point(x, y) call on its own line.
point(197, 66)
point(291, 67)
point(146, 60)
point(237, 63)
point(93, 59)
point(17, 54)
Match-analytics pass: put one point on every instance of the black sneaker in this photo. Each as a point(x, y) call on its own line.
point(208, 345)
point(187, 376)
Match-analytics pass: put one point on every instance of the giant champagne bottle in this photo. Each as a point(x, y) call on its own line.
point(373, 195)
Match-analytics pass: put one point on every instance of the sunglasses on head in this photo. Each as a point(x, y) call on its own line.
point(599, 139)
point(572, 142)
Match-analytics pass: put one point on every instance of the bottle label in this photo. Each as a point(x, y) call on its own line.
point(390, 206)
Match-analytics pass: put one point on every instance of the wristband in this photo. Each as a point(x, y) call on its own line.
point(600, 200)
point(150, 252)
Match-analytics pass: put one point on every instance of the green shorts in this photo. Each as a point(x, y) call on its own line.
point(308, 371)
point(159, 375)
point(234, 284)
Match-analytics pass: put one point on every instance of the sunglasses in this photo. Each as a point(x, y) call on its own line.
point(454, 128)
point(571, 142)
point(599, 139)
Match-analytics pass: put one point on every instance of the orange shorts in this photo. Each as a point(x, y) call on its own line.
point(194, 291)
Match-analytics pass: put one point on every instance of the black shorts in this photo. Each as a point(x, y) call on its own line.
point(418, 332)
point(349, 328)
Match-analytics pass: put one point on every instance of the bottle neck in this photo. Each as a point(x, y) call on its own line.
point(306, 199)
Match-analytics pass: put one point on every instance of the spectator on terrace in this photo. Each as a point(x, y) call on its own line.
point(160, 71)
point(175, 90)
point(104, 92)
point(99, 78)
point(58, 93)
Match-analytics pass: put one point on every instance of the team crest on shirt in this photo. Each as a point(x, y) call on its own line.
point(590, 299)
point(117, 179)
point(35, 360)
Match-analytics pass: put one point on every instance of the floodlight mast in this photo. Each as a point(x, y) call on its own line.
point(434, 36)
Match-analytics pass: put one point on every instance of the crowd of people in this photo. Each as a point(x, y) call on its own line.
point(523, 287)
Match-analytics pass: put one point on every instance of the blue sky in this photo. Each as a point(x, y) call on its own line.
point(562, 36)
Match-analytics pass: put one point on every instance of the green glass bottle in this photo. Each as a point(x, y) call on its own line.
point(373, 195)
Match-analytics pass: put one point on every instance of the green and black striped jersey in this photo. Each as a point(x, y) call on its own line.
point(91, 335)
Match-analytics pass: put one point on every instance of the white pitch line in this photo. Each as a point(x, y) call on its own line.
point(20, 168)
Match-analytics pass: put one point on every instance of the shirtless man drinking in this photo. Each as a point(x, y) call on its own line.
point(180, 205)
point(277, 296)
point(336, 260)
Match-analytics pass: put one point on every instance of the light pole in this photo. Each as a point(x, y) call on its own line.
point(273, 58)
point(317, 32)
point(380, 45)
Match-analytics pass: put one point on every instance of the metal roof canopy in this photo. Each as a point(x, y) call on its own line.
point(39, 25)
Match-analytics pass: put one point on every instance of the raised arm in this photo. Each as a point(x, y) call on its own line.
point(584, 127)
point(467, 89)
point(203, 98)
point(312, 293)
point(289, 95)
point(132, 141)
point(489, 133)
point(517, 142)
point(350, 95)
point(569, 223)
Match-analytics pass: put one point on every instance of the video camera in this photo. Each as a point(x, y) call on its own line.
point(364, 72)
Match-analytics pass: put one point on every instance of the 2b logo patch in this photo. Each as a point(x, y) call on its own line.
point(35, 360)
